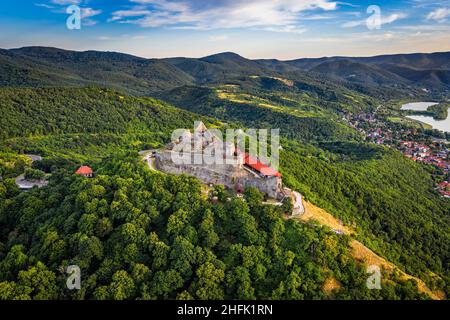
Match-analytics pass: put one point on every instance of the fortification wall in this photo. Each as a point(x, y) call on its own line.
point(227, 174)
point(272, 186)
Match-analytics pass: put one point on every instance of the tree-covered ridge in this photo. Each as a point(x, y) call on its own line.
point(140, 234)
point(315, 126)
point(383, 76)
point(389, 198)
point(83, 147)
point(47, 67)
point(31, 112)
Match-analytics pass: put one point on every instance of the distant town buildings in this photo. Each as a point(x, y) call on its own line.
point(433, 152)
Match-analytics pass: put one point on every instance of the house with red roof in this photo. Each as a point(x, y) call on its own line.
point(85, 171)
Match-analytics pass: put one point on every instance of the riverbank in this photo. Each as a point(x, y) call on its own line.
point(433, 114)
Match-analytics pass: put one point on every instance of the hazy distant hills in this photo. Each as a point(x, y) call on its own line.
point(357, 72)
point(420, 69)
point(220, 67)
point(42, 66)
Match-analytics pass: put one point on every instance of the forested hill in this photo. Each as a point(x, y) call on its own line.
point(34, 112)
point(375, 188)
point(137, 234)
point(427, 70)
point(39, 66)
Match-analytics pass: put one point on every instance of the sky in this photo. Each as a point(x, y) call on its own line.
point(280, 29)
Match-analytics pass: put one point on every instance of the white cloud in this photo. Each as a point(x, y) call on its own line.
point(439, 15)
point(384, 20)
point(118, 15)
point(43, 5)
point(66, 2)
point(279, 16)
point(317, 17)
point(387, 36)
point(89, 12)
point(425, 27)
point(59, 6)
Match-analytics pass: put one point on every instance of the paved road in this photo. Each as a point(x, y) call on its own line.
point(149, 158)
point(26, 185)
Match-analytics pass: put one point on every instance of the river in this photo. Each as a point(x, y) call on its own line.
point(443, 125)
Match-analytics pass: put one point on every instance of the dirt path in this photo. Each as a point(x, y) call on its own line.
point(147, 156)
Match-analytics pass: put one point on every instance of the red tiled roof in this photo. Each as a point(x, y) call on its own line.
point(84, 170)
point(260, 167)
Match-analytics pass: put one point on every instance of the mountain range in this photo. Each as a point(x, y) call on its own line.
point(43, 66)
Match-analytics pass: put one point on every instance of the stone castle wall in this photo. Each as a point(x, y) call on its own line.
point(272, 186)
point(229, 175)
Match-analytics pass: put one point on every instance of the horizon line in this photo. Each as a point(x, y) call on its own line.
point(223, 52)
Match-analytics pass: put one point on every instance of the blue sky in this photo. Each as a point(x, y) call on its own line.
point(283, 29)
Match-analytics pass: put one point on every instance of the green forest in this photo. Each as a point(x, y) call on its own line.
point(137, 234)
point(140, 234)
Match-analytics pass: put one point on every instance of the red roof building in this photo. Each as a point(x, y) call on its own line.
point(85, 171)
point(444, 184)
point(260, 167)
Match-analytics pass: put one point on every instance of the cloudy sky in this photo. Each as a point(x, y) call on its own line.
point(283, 29)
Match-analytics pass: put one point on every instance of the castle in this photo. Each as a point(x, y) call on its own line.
point(242, 171)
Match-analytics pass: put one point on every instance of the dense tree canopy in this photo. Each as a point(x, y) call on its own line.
point(139, 234)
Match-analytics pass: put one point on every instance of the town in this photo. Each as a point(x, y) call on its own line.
point(413, 143)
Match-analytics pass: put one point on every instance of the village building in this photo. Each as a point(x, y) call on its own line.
point(85, 171)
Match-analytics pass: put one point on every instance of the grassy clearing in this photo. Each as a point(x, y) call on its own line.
point(410, 123)
point(314, 213)
point(331, 284)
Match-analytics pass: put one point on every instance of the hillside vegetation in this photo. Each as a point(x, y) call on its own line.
point(317, 124)
point(34, 112)
point(383, 76)
point(139, 234)
point(388, 198)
